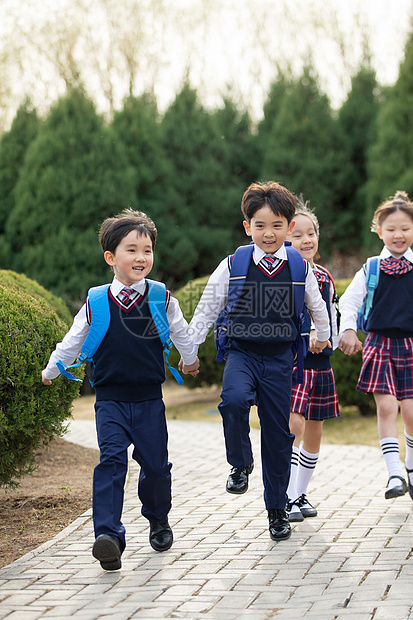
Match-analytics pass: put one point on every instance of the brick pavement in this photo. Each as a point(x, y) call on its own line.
point(352, 561)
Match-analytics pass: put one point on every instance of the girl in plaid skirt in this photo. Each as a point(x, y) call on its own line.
point(387, 368)
point(316, 399)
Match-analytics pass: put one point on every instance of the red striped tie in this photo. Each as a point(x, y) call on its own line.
point(125, 295)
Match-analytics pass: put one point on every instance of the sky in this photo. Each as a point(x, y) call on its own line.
point(222, 46)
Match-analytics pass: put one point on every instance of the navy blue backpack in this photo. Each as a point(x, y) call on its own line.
point(238, 273)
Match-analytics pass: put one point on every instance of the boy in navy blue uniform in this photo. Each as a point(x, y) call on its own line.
point(259, 359)
point(128, 376)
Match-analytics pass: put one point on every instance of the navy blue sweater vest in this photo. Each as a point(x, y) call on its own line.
point(392, 312)
point(321, 361)
point(263, 321)
point(129, 363)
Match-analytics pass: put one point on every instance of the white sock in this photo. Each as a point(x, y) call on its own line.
point(409, 454)
point(306, 467)
point(292, 485)
point(390, 449)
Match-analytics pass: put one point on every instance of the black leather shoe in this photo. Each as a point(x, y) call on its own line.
point(106, 549)
point(307, 509)
point(398, 490)
point(280, 528)
point(409, 486)
point(160, 535)
point(237, 481)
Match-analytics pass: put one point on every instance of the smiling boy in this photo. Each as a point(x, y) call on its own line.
point(128, 375)
point(259, 361)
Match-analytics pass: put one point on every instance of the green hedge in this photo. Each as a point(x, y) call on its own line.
point(21, 283)
point(346, 368)
point(31, 414)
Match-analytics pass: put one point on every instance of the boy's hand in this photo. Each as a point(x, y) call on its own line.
point(189, 369)
point(349, 342)
point(313, 339)
point(46, 381)
point(319, 345)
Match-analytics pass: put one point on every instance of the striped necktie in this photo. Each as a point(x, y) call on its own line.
point(269, 260)
point(125, 295)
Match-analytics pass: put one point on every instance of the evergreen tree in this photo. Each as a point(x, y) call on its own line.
point(13, 146)
point(390, 158)
point(137, 127)
point(357, 119)
point(74, 175)
point(302, 149)
point(205, 223)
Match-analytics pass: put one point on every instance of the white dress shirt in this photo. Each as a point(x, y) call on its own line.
point(69, 349)
point(354, 295)
point(214, 298)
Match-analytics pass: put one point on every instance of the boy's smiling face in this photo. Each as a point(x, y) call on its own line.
point(268, 230)
point(132, 259)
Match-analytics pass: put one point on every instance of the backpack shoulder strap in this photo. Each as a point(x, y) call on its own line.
point(99, 320)
point(298, 276)
point(157, 307)
point(238, 273)
point(98, 300)
point(372, 280)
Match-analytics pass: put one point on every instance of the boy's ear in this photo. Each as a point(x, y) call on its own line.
point(380, 234)
point(290, 227)
point(247, 228)
point(109, 258)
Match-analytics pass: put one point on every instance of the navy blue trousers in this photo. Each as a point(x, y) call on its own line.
point(266, 380)
point(118, 425)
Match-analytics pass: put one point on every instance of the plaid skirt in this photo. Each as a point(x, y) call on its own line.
point(316, 398)
point(387, 366)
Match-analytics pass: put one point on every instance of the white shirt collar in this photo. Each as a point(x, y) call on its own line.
point(258, 253)
point(385, 253)
point(117, 286)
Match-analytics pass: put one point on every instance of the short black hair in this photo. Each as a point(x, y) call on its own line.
point(114, 229)
point(280, 200)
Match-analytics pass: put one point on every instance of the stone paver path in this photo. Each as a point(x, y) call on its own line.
point(352, 561)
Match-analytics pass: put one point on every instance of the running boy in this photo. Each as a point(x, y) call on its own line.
point(316, 399)
point(387, 368)
point(128, 376)
point(259, 366)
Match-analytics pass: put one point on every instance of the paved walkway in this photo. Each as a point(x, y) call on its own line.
point(352, 561)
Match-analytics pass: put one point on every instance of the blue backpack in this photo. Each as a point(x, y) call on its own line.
point(372, 280)
point(100, 320)
point(238, 273)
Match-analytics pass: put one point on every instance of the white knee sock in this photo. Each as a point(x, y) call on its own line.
point(292, 485)
point(306, 467)
point(390, 449)
point(409, 454)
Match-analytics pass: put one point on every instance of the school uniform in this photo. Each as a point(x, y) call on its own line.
point(388, 349)
point(128, 376)
point(259, 361)
point(316, 398)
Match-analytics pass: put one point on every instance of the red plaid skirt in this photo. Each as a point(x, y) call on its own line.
point(316, 398)
point(387, 366)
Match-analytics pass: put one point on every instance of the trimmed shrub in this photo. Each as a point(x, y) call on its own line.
point(21, 283)
point(31, 414)
point(346, 368)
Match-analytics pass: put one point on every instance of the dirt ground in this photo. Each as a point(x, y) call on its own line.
point(61, 488)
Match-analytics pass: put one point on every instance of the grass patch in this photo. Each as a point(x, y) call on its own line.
point(349, 428)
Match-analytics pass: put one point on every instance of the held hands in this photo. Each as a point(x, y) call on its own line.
point(316, 346)
point(349, 342)
point(45, 381)
point(189, 369)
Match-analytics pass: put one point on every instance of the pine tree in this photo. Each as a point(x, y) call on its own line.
point(204, 221)
point(390, 158)
point(357, 119)
point(302, 149)
point(74, 175)
point(13, 146)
